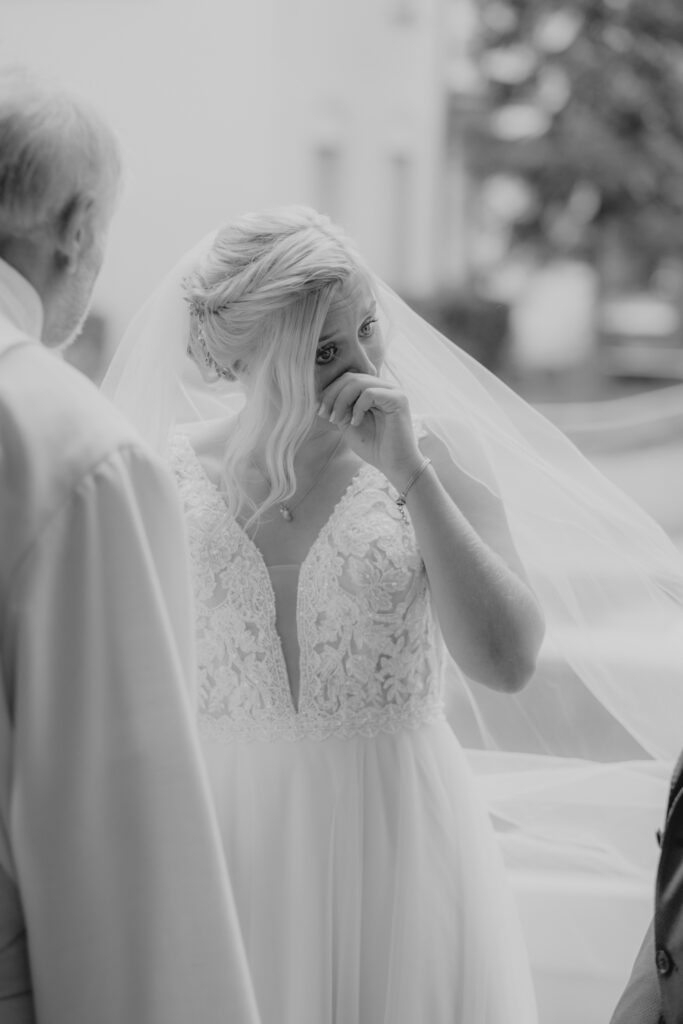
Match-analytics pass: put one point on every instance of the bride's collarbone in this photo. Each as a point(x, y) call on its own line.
point(285, 541)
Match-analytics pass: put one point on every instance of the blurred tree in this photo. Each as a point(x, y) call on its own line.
point(584, 113)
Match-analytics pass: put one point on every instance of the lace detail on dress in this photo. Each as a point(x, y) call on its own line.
point(365, 631)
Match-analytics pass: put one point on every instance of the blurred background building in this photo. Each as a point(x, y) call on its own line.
point(468, 147)
point(513, 168)
point(223, 107)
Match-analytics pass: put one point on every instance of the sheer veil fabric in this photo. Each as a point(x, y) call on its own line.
point(574, 768)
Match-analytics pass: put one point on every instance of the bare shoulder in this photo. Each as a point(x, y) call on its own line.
point(208, 440)
point(210, 436)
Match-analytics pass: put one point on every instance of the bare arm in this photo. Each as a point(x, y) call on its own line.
point(489, 617)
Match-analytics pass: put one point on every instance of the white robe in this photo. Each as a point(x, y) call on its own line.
point(108, 847)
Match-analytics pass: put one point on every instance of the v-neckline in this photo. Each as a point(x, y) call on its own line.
point(229, 518)
point(324, 528)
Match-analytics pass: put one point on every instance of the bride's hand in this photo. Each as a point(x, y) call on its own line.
point(375, 419)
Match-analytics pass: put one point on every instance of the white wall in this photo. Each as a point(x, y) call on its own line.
point(178, 81)
point(369, 84)
point(222, 106)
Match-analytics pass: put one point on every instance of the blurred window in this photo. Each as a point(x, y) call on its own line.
point(401, 185)
point(403, 11)
point(328, 185)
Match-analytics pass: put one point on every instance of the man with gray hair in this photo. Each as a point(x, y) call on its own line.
point(115, 907)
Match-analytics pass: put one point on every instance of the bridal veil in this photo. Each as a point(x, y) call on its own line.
point(574, 768)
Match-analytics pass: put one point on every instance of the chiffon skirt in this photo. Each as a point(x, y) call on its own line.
point(368, 882)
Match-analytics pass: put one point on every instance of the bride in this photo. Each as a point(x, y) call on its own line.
point(353, 552)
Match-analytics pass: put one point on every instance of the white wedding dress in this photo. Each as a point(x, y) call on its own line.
point(368, 882)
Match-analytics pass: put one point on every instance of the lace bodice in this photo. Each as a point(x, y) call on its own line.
point(366, 636)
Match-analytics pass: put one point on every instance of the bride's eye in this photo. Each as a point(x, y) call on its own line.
point(325, 355)
point(367, 328)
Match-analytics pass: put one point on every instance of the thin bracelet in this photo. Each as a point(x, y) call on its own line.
point(401, 500)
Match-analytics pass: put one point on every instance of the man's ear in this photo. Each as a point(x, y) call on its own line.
point(72, 231)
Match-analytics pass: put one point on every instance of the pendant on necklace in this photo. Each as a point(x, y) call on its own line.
point(285, 512)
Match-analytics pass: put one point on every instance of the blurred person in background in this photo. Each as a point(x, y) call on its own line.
point(378, 526)
point(654, 993)
point(115, 905)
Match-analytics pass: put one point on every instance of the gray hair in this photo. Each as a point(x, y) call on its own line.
point(55, 150)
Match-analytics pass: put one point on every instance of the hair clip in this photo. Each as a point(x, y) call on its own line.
point(196, 307)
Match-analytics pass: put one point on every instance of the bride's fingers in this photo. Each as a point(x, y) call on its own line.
point(332, 392)
point(341, 406)
point(383, 399)
point(346, 399)
point(378, 397)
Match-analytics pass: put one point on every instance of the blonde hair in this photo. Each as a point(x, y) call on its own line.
point(55, 151)
point(258, 304)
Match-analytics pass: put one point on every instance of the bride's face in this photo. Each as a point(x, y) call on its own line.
point(351, 339)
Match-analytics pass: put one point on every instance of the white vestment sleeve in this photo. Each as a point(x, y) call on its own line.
point(129, 911)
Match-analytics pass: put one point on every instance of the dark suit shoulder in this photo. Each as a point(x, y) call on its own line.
point(641, 1000)
point(668, 920)
point(676, 781)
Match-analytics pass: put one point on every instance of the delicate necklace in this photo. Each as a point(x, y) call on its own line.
point(287, 511)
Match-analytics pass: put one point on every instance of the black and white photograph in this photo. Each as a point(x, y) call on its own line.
point(341, 512)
